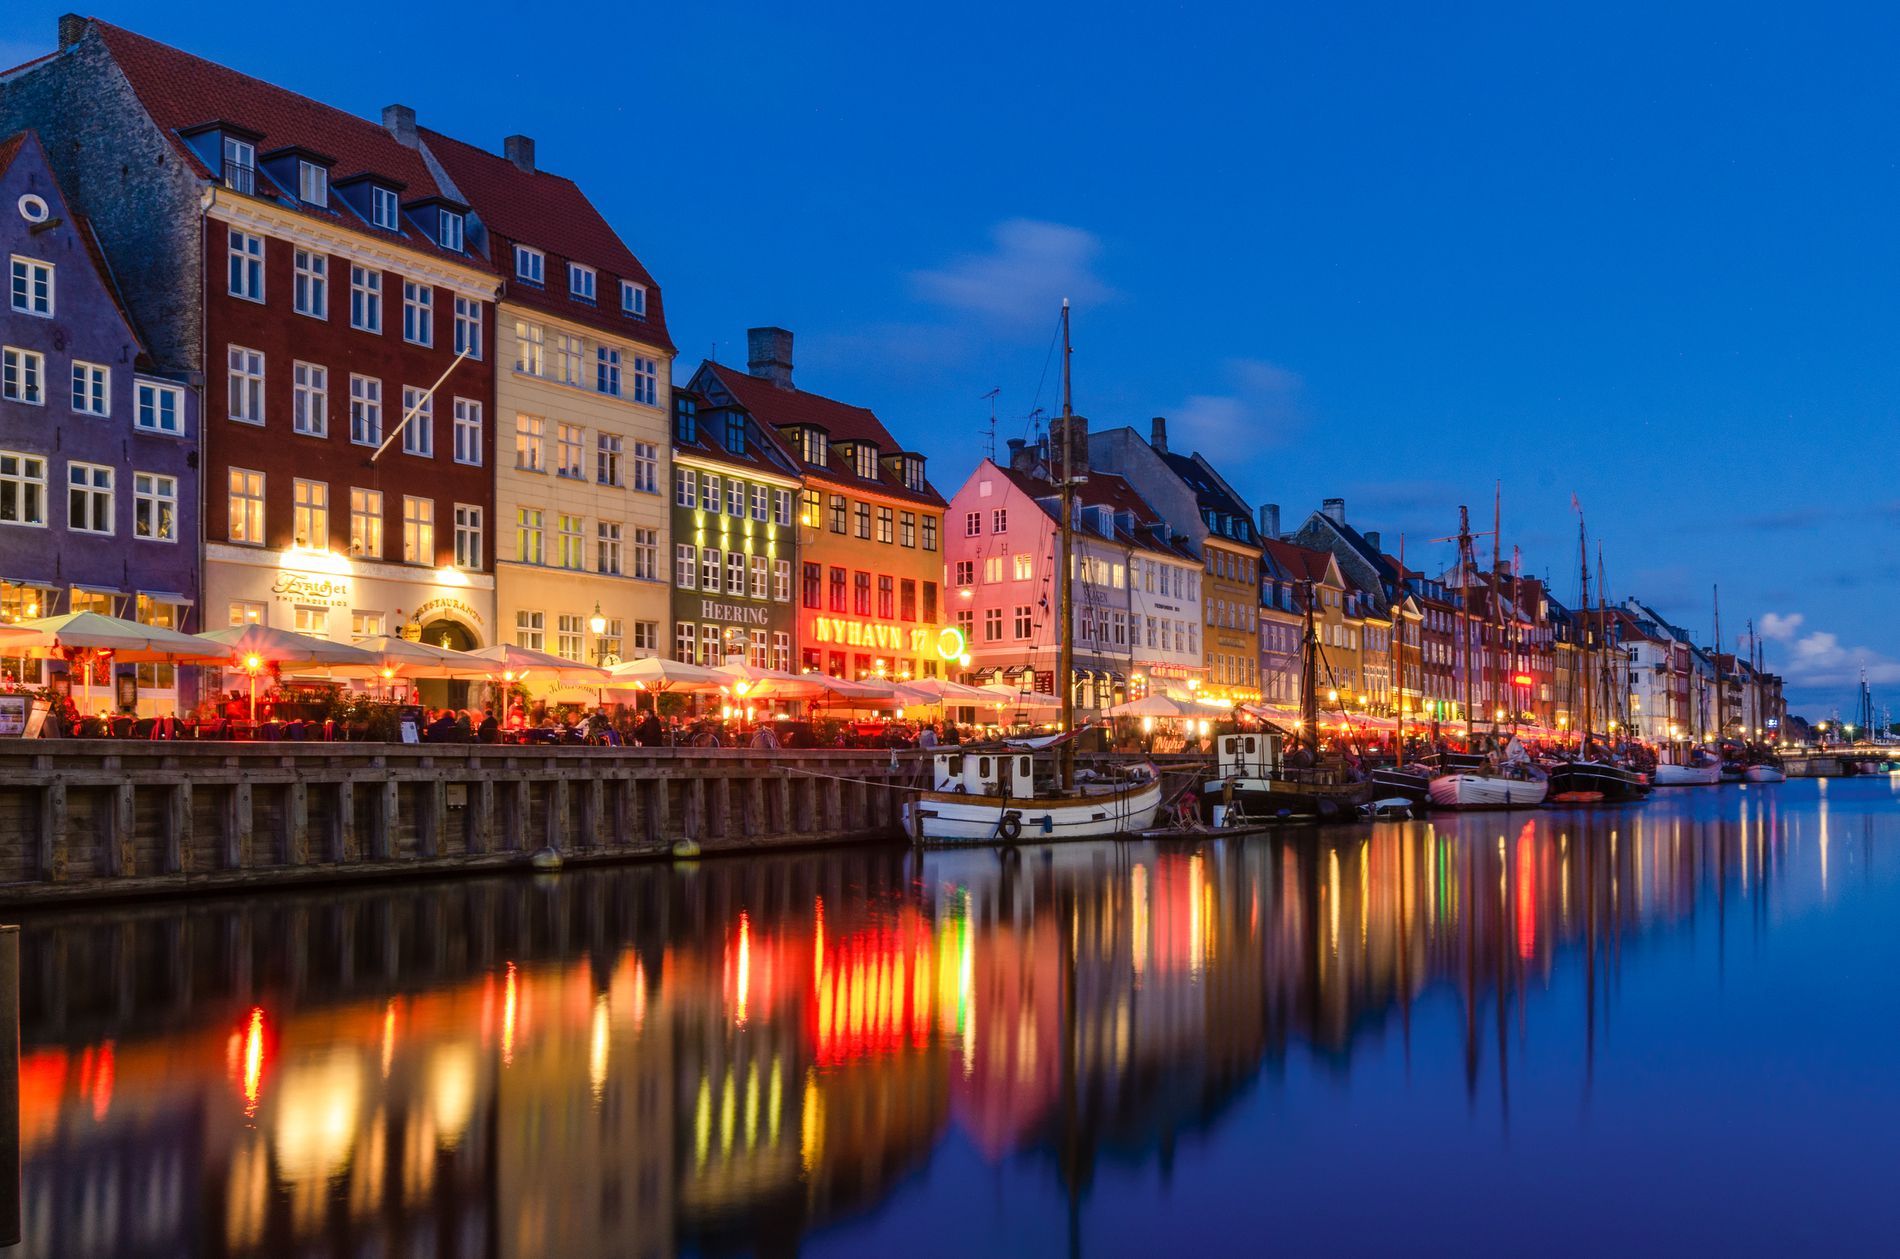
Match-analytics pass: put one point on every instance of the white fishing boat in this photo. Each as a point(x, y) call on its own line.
point(1763, 774)
point(983, 797)
point(1703, 769)
point(1523, 788)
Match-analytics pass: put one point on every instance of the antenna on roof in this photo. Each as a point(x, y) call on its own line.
point(991, 440)
point(714, 356)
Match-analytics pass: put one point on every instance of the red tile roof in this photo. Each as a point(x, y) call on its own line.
point(763, 449)
point(1302, 563)
point(10, 146)
point(784, 408)
point(181, 91)
point(550, 213)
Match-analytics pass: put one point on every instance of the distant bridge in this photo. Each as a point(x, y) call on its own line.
point(1843, 761)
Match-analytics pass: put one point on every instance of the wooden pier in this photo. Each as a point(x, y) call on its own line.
point(84, 818)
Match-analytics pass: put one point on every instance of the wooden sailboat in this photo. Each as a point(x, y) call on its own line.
point(980, 796)
point(1593, 775)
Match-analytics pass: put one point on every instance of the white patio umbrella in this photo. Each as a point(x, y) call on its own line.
point(1159, 706)
point(1010, 697)
point(657, 673)
point(943, 690)
point(129, 642)
point(516, 664)
point(285, 647)
point(752, 682)
point(397, 657)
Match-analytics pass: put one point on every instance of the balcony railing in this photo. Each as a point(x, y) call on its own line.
point(240, 177)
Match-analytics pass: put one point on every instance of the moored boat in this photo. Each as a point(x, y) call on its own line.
point(1251, 783)
point(982, 797)
point(1595, 782)
point(1763, 774)
point(1702, 769)
point(1514, 787)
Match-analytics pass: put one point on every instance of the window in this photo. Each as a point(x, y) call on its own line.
point(930, 533)
point(448, 230)
point(246, 256)
point(999, 520)
point(735, 433)
point(838, 513)
point(33, 286)
point(685, 565)
point(685, 487)
point(468, 326)
point(607, 645)
point(814, 582)
point(468, 536)
point(313, 183)
point(88, 498)
point(808, 514)
point(310, 620)
point(735, 498)
point(837, 586)
point(23, 376)
point(907, 529)
point(646, 381)
point(607, 547)
point(154, 507)
point(244, 612)
point(973, 524)
point(992, 569)
point(564, 360)
point(607, 370)
point(418, 530)
point(646, 554)
point(530, 434)
point(368, 625)
point(531, 352)
point(240, 164)
point(735, 572)
point(382, 207)
point(861, 593)
point(580, 283)
point(310, 399)
point(529, 536)
point(633, 299)
point(418, 313)
point(782, 507)
point(760, 577)
point(781, 651)
point(366, 299)
point(366, 410)
point(709, 492)
point(861, 513)
point(310, 285)
point(571, 553)
point(965, 572)
point(531, 630)
point(929, 613)
point(1024, 567)
point(907, 599)
point(685, 646)
point(570, 444)
point(646, 467)
point(886, 598)
point(711, 564)
point(530, 265)
point(22, 489)
point(884, 525)
point(92, 390)
point(366, 523)
point(246, 374)
point(782, 580)
point(1024, 621)
point(966, 623)
point(992, 625)
point(160, 408)
point(569, 637)
point(310, 514)
point(244, 492)
point(468, 431)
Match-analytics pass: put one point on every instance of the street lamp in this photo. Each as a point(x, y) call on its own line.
point(252, 663)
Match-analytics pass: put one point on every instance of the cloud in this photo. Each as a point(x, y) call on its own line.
point(1020, 280)
point(1260, 404)
point(1781, 628)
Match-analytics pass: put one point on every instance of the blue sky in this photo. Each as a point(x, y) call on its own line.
point(1642, 254)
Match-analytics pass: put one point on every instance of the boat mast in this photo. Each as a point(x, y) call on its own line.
point(1065, 579)
point(1588, 645)
point(1398, 658)
point(1500, 672)
point(1719, 705)
point(1608, 673)
point(1465, 576)
point(1309, 669)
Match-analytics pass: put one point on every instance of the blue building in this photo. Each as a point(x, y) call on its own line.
point(98, 466)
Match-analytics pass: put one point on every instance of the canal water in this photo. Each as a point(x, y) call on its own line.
point(1665, 1028)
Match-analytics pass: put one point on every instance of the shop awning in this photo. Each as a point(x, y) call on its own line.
point(168, 596)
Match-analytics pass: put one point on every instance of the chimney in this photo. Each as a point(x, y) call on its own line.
point(1158, 433)
point(769, 355)
point(1021, 458)
point(520, 151)
point(1270, 520)
point(1372, 540)
point(1334, 510)
point(72, 29)
point(400, 121)
point(1068, 447)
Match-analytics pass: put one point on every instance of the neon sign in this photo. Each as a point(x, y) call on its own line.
point(951, 643)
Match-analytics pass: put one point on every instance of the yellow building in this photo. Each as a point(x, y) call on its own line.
point(870, 526)
point(583, 408)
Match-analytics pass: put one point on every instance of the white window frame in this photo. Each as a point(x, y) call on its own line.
point(366, 410)
point(531, 265)
point(468, 327)
point(633, 299)
point(92, 388)
point(310, 513)
point(310, 399)
point(23, 376)
point(646, 553)
point(582, 282)
point(531, 441)
point(25, 476)
point(646, 381)
point(452, 238)
point(646, 467)
point(100, 497)
point(310, 289)
point(468, 432)
point(366, 300)
point(418, 434)
point(244, 373)
point(32, 286)
point(313, 182)
point(366, 523)
point(468, 536)
point(418, 530)
point(609, 554)
point(685, 566)
point(385, 208)
point(244, 520)
point(150, 399)
point(245, 274)
point(152, 492)
point(418, 312)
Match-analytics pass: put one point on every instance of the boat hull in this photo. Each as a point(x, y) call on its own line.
point(953, 817)
point(1687, 775)
point(1586, 782)
point(1279, 800)
point(1404, 783)
point(1763, 774)
point(1484, 791)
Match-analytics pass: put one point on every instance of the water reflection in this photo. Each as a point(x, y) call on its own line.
point(732, 1056)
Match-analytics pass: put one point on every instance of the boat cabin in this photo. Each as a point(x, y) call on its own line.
point(1254, 755)
point(984, 773)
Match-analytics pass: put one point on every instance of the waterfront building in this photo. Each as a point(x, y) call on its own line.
point(1297, 576)
point(583, 407)
point(98, 491)
point(869, 522)
point(317, 276)
point(1373, 579)
point(735, 548)
point(1218, 529)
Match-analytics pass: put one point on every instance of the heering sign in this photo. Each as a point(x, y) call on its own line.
point(832, 629)
point(739, 613)
point(311, 589)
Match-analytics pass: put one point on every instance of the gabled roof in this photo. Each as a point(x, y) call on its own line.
point(1210, 491)
point(10, 146)
point(783, 407)
point(182, 92)
point(1382, 564)
point(10, 150)
point(763, 450)
point(1104, 489)
point(1302, 563)
point(550, 212)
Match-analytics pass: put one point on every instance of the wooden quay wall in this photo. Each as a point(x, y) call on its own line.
point(86, 818)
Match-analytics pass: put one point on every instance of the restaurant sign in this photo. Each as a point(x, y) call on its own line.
point(447, 606)
point(734, 613)
point(894, 638)
point(311, 589)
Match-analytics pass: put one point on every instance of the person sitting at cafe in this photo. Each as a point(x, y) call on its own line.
point(441, 729)
point(489, 730)
point(649, 731)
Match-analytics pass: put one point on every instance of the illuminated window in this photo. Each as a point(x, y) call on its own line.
point(907, 529)
point(884, 525)
point(310, 514)
point(366, 523)
point(154, 507)
point(418, 530)
point(245, 498)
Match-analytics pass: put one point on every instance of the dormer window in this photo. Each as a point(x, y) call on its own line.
point(913, 473)
point(313, 183)
point(685, 419)
point(633, 299)
point(530, 265)
point(383, 210)
point(864, 460)
point(814, 445)
point(735, 432)
point(580, 282)
point(448, 231)
point(240, 165)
